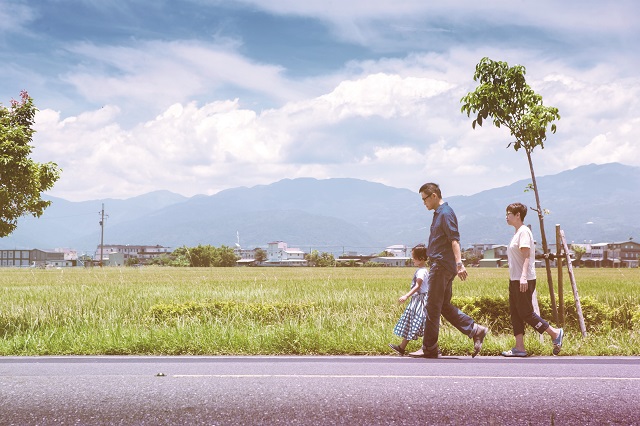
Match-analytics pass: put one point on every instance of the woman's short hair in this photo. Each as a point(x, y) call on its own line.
point(517, 208)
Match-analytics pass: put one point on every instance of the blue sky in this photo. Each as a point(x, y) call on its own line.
point(196, 96)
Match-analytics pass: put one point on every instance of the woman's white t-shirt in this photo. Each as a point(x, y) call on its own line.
point(522, 238)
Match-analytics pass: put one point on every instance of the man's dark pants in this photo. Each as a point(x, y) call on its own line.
point(439, 303)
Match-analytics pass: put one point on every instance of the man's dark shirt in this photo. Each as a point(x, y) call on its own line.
point(444, 229)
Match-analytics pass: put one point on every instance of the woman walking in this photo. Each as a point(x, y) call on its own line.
point(522, 284)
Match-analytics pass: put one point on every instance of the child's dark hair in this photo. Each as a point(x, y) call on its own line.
point(419, 252)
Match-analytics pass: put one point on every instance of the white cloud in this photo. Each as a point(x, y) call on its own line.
point(607, 148)
point(200, 148)
point(393, 128)
point(161, 73)
point(14, 16)
point(201, 116)
point(367, 23)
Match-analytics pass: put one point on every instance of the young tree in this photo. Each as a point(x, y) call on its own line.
point(323, 259)
point(22, 180)
point(132, 261)
point(180, 257)
point(260, 255)
point(312, 258)
point(326, 259)
point(504, 96)
point(579, 251)
point(204, 256)
point(224, 256)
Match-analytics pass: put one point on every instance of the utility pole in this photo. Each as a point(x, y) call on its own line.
point(102, 234)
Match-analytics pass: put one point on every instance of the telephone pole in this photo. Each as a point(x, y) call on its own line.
point(102, 234)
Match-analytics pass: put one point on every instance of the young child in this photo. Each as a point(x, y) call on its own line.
point(410, 326)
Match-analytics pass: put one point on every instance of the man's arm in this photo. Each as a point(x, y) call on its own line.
point(457, 254)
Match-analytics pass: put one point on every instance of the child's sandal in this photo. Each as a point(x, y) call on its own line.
point(397, 348)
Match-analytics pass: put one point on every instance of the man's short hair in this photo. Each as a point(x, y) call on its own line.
point(518, 208)
point(431, 188)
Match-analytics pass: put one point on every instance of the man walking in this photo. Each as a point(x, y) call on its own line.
point(445, 260)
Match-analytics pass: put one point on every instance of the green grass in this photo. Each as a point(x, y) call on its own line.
point(210, 311)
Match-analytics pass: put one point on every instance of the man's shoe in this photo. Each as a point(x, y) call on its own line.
point(397, 348)
point(434, 353)
point(478, 338)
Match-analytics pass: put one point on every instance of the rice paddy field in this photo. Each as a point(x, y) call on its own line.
point(248, 311)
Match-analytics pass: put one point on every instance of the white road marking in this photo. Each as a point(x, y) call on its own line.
point(367, 376)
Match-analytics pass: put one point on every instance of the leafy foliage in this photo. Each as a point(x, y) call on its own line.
point(504, 96)
point(204, 256)
point(21, 179)
point(598, 316)
point(260, 255)
point(579, 252)
point(320, 259)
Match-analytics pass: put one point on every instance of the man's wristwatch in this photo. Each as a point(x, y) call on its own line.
point(459, 264)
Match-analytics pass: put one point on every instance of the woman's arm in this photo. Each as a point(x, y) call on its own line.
point(524, 285)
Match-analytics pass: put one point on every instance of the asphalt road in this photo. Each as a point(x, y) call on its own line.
point(305, 390)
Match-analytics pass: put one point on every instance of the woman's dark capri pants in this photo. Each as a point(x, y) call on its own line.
point(521, 308)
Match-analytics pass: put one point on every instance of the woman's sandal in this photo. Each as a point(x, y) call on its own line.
point(514, 353)
point(557, 342)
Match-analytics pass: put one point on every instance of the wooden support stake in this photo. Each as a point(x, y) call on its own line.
point(574, 286)
point(560, 287)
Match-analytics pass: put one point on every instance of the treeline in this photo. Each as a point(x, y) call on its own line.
point(223, 256)
point(200, 256)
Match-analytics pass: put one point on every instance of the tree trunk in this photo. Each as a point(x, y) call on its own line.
point(544, 240)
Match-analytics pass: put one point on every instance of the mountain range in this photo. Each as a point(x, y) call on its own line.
point(596, 203)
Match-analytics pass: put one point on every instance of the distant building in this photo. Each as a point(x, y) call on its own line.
point(495, 257)
point(352, 257)
point(34, 258)
point(279, 254)
point(479, 249)
point(392, 260)
point(592, 256)
point(141, 252)
point(16, 258)
point(245, 256)
point(625, 254)
point(398, 250)
point(69, 254)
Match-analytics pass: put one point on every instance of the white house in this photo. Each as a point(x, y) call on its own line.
point(398, 250)
point(245, 256)
point(392, 260)
point(279, 254)
point(594, 253)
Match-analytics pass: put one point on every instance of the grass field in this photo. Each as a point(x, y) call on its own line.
point(153, 310)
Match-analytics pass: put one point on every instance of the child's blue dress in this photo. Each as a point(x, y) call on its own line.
point(410, 326)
